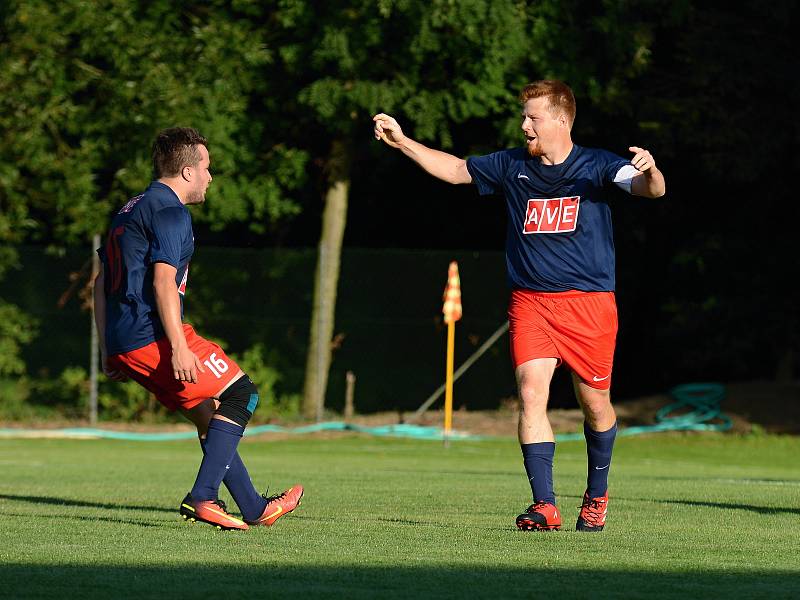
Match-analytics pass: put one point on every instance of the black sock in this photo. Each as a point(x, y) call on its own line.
point(599, 445)
point(220, 447)
point(538, 459)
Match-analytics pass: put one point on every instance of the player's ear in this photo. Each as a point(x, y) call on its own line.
point(186, 173)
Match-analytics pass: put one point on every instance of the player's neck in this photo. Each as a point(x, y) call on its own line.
point(173, 183)
point(558, 154)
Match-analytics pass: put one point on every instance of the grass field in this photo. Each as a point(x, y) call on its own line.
point(691, 516)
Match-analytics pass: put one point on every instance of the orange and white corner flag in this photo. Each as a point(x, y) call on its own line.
point(452, 295)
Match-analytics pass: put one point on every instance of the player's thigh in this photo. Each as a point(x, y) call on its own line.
point(533, 380)
point(219, 370)
point(586, 337)
point(529, 331)
point(590, 398)
point(201, 414)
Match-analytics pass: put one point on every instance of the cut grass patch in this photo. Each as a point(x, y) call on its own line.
point(708, 516)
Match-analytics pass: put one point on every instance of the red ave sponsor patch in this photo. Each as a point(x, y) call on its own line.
point(551, 215)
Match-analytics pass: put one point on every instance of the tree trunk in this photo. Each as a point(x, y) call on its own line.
point(326, 281)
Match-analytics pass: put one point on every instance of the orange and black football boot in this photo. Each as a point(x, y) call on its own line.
point(593, 513)
point(279, 505)
point(540, 516)
point(212, 512)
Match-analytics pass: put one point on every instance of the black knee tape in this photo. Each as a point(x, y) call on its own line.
point(239, 401)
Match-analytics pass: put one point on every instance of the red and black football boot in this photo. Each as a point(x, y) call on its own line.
point(212, 512)
point(593, 513)
point(540, 516)
point(279, 505)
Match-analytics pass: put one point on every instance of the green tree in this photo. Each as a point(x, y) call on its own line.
point(84, 87)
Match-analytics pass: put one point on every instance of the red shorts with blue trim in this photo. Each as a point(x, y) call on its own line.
point(151, 367)
point(577, 328)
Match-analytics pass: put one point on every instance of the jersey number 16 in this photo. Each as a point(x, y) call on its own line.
point(217, 365)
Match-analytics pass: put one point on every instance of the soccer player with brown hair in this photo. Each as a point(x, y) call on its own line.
point(139, 315)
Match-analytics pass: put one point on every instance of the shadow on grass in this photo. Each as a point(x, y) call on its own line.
point(729, 480)
point(347, 581)
point(762, 510)
point(63, 518)
point(84, 503)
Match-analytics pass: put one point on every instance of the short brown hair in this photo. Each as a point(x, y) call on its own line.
point(174, 149)
point(558, 93)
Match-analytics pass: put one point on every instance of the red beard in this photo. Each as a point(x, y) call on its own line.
point(535, 149)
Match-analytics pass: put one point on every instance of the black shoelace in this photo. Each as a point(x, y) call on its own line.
point(272, 498)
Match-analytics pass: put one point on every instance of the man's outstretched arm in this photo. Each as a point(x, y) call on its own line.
point(440, 164)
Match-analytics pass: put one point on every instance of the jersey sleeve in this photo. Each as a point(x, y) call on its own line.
point(624, 177)
point(169, 227)
point(488, 171)
point(611, 165)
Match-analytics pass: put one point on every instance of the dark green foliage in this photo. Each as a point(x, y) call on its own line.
point(84, 87)
point(83, 90)
point(705, 276)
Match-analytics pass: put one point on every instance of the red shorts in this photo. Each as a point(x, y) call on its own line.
point(151, 367)
point(578, 328)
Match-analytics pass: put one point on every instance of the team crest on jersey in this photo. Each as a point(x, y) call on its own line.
point(182, 286)
point(130, 204)
point(551, 215)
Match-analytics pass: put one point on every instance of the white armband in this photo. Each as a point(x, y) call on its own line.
point(624, 177)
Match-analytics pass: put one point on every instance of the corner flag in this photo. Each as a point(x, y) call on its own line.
point(452, 313)
point(452, 295)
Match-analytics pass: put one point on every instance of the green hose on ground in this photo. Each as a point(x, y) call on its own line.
point(696, 408)
point(704, 403)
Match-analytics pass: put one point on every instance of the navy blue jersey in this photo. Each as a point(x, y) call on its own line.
point(559, 234)
point(152, 227)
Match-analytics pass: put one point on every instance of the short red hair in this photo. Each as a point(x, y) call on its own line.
point(558, 93)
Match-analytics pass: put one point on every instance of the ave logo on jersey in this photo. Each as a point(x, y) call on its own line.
point(551, 215)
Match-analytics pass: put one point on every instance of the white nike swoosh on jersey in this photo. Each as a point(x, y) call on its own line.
point(596, 378)
point(521, 176)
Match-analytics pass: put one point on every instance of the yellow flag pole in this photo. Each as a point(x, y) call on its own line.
point(452, 313)
point(448, 395)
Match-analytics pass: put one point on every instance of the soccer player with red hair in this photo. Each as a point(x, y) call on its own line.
point(560, 261)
